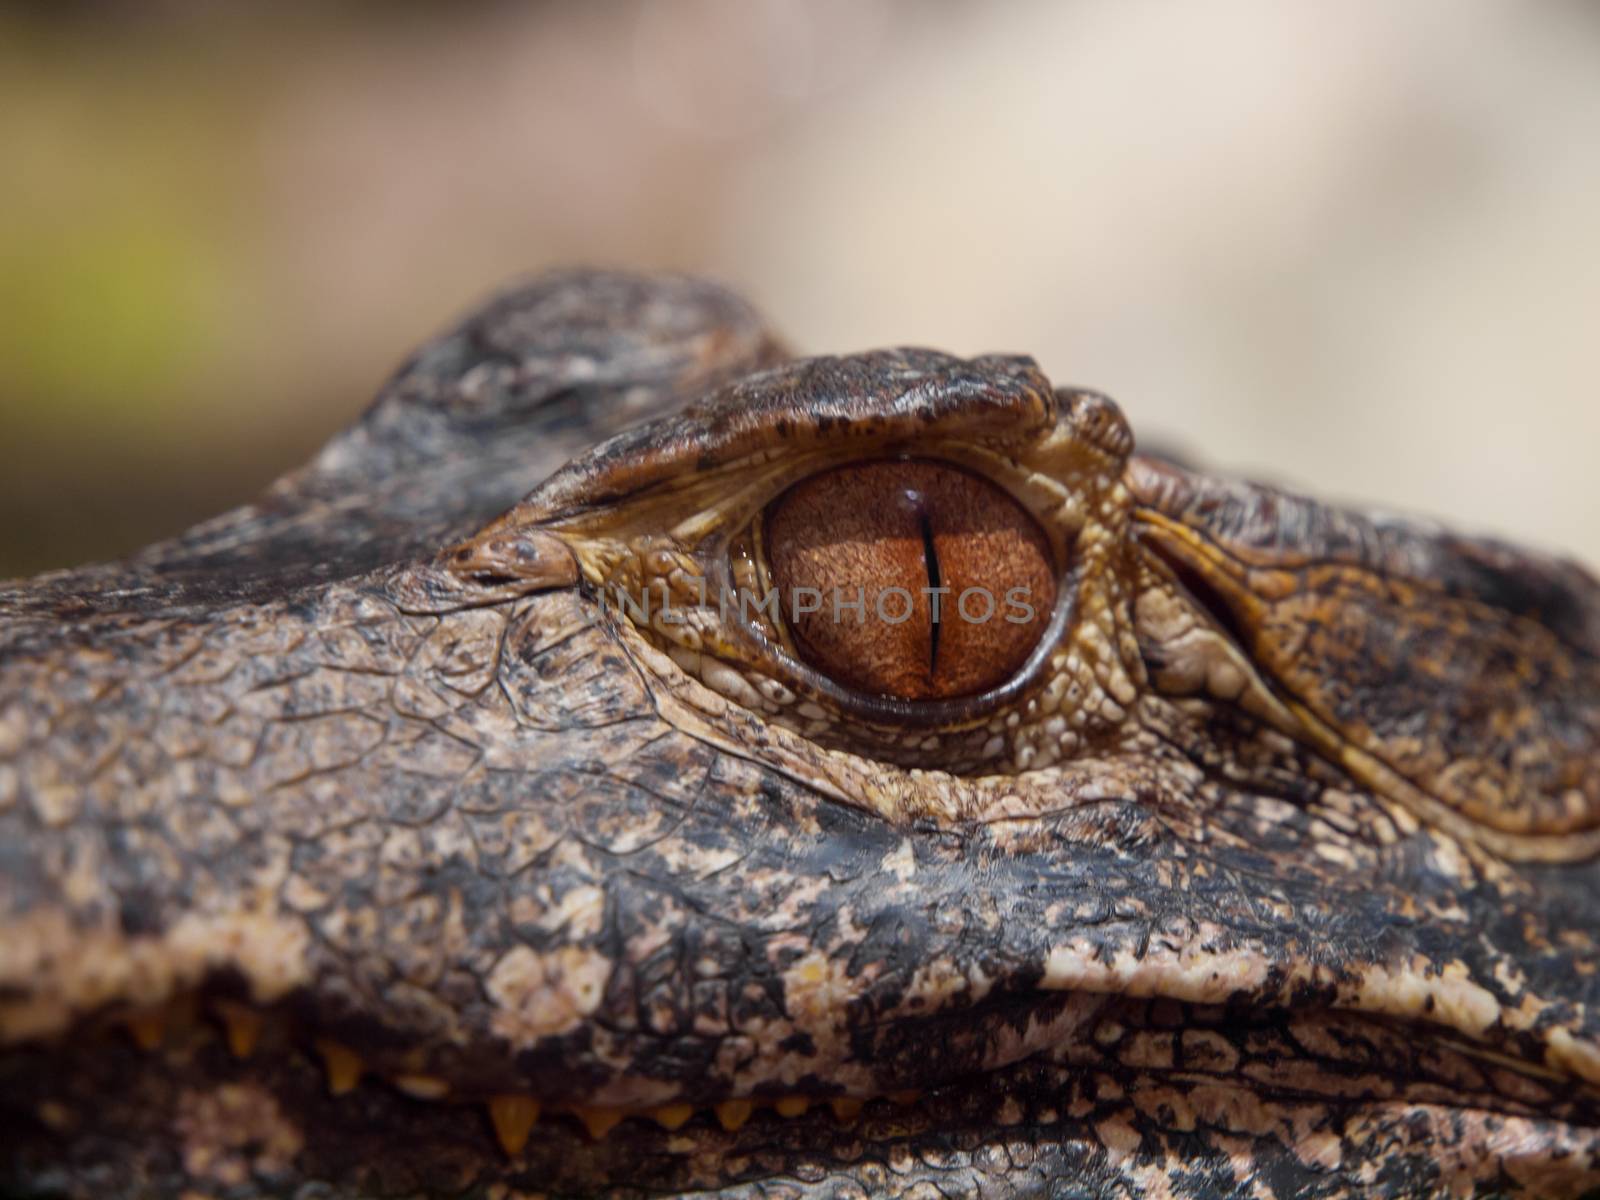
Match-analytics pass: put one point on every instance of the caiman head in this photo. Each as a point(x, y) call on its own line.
point(851, 775)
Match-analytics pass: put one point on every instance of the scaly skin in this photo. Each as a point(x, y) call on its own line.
point(344, 814)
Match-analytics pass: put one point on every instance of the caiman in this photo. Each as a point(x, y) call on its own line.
point(436, 826)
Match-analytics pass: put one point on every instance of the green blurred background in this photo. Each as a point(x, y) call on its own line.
point(1346, 246)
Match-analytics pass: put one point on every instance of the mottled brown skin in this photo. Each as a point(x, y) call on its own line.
point(1282, 883)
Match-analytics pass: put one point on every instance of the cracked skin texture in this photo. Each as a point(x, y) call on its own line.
point(1280, 883)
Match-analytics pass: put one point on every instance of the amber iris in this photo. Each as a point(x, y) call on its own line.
point(909, 578)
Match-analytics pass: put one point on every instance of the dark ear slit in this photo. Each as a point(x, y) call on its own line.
point(1209, 597)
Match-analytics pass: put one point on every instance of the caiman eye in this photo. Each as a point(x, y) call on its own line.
point(909, 578)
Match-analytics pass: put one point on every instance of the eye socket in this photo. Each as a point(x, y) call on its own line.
point(909, 578)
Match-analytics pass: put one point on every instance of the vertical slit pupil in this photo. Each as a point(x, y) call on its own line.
point(930, 559)
point(889, 528)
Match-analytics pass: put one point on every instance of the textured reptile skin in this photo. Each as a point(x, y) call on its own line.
point(1285, 885)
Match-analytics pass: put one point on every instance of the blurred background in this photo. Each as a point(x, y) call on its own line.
point(1349, 247)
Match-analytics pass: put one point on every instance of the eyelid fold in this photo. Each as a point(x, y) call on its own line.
point(817, 404)
point(667, 510)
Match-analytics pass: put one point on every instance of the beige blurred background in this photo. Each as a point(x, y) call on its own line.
point(1348, 246)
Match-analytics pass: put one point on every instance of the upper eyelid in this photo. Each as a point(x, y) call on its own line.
point(820, 404)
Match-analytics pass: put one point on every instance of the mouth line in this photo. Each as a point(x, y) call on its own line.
point(249, 1032)
point(185, 1024)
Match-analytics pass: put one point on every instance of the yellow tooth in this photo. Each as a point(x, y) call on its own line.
point(149, 1027)
point(514, 1117)
point(734, 1113)
point(343, 1064)
point(600, 1121)
point(845, 1108)
point(908, 1096)
point(422, 1087)
point(792, 1106)
point(672, 1116)
point(242, 1024)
